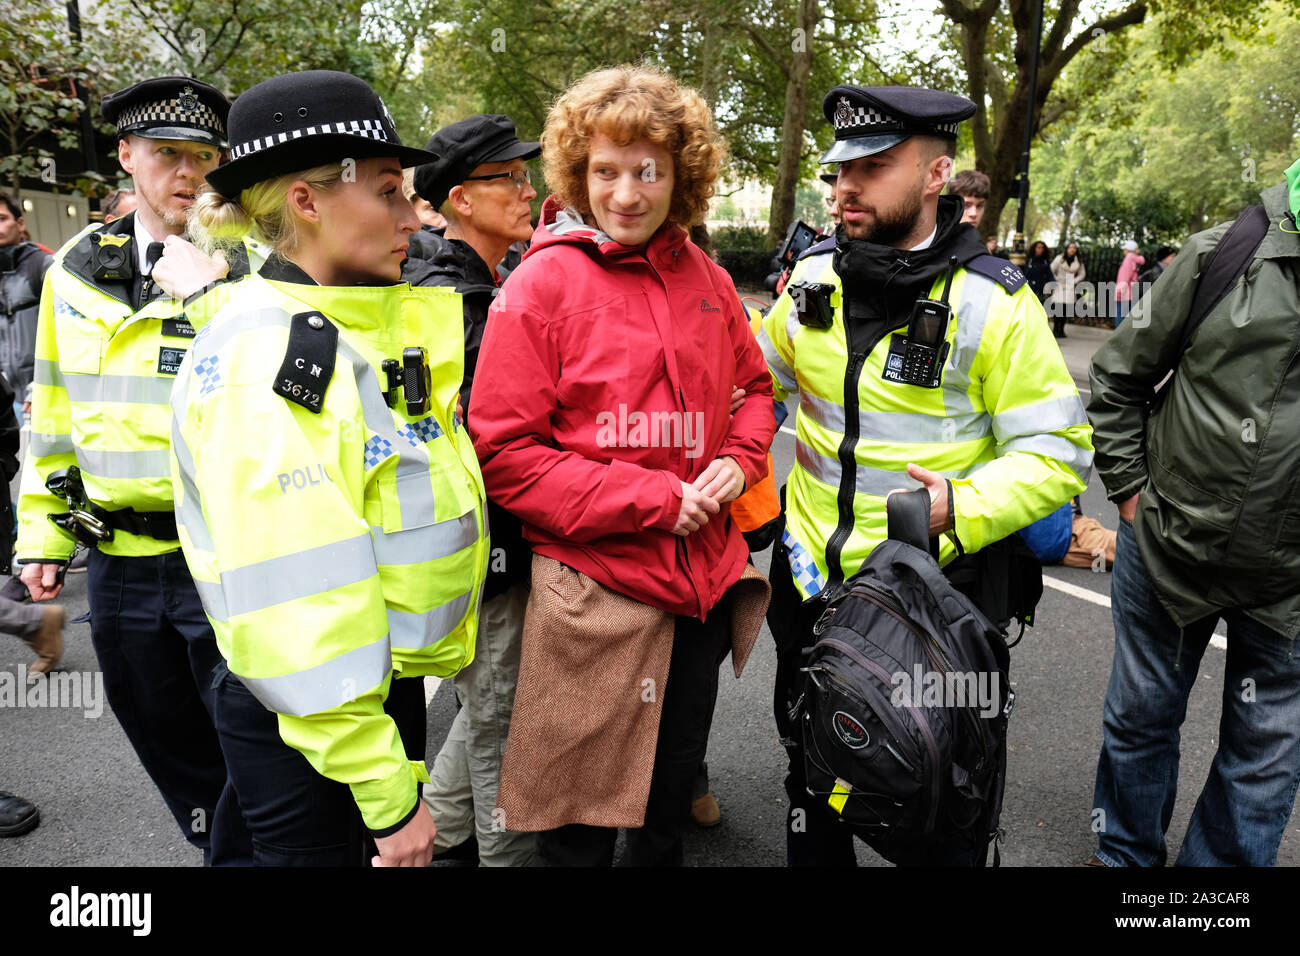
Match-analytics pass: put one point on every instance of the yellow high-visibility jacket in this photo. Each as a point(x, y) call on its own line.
point(103, 379)
point(334, 550)
point(1006, 426)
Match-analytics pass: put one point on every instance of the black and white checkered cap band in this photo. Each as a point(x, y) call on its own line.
point(865, 120)
point(169, 113)
point(371, 128)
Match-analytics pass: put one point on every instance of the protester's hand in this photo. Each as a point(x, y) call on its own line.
point(410, 846)
point(937, 485)
point(737, 399)
point(42, 580)
point(1128, 509)
point(722, 480)
point(695, 510)
point(183, 270)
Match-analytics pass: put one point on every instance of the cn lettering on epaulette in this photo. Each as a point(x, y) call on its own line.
point(1004, 273)
point(309, 361)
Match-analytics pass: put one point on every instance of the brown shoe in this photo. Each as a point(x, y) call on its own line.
point(48, 641)
point(705, 812)
point(1095, 861)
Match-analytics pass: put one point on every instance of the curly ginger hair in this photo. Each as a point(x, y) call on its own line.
point(628, 103)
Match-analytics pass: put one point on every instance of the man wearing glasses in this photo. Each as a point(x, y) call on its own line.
point(480, 183)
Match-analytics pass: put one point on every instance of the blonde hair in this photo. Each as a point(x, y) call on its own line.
point(628, 103)
point(262, 211)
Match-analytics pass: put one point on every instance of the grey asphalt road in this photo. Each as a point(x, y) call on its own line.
point(99, 809)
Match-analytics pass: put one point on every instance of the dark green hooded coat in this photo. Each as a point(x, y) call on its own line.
point(1217, 457)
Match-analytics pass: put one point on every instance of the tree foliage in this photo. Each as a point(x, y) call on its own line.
point(1163, 152)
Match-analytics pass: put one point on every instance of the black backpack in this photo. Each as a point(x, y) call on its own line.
point(900, 756)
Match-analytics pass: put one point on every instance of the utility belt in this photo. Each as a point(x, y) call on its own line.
point(91, 525)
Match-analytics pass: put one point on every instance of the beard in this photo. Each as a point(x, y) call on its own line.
point(893, 225)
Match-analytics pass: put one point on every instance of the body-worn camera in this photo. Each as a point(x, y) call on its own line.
point(113, 258)
point(409, 380)
point(927, 332)
point(812, 303)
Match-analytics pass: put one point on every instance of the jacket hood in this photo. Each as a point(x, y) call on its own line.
point(13, 257)
point(562, 224)
point(431, 256)
point(873, 274)
point(1281, 241)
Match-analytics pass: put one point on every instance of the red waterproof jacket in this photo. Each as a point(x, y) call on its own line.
point(604, 381)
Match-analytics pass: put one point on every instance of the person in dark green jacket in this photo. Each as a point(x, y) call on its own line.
point(1207, 480)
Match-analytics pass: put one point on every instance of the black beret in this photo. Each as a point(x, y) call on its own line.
point(169, 107)
point(465, 145)
point(299, 120)
point(871, 119)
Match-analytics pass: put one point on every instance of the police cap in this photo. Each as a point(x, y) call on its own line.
point(872, 119)
point(169, 107)
point(464, 145)
point(300, 120)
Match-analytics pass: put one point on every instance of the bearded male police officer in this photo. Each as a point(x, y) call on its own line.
point(109, 344)
point(992, 427)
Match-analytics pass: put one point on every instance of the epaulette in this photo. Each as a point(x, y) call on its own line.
point(1001, 271)
point(816, 249)
point(308, 361)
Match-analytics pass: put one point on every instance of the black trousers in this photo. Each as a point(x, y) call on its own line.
point(157, 653)
point(815, 836)
point(688, 701)
point(296, 816)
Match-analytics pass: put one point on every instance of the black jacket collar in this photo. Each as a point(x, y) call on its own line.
point(433, 259)
point(881, 282)
point(80, 261)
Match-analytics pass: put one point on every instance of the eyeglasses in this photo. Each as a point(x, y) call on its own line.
point(518, 177)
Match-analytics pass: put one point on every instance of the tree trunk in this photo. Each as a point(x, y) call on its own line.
point(781, 213)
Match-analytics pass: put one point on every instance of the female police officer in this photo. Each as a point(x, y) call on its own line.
point(330, 504)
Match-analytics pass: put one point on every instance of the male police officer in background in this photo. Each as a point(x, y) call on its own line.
point(998, 436)
point(108, 346)
point(481, 185)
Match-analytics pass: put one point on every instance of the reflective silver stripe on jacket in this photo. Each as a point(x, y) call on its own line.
point(47, 373)
point(972, 311)
point(898, 426)
point(870, 481)
point(425, 544)
point(291, 577)
point(43, 445)
point(135, 389)
point(1054, 446)
point(326, 685)
point(784, 374)
point(189, 512)
point(414, 631)
point(1051, 415)
point(150, 463)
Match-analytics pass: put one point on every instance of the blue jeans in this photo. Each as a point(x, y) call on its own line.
point(1247, 799)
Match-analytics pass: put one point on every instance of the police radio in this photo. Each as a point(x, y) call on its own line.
point(927, 333)
point(112, 259)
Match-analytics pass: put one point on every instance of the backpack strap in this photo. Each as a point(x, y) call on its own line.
point(1228, 263)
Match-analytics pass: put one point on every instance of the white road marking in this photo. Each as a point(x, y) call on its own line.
point(1087, 594)
point(430, 688)
point(789, 431)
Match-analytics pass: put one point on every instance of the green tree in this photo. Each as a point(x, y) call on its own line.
point(993, 39)
point(1157, 156)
